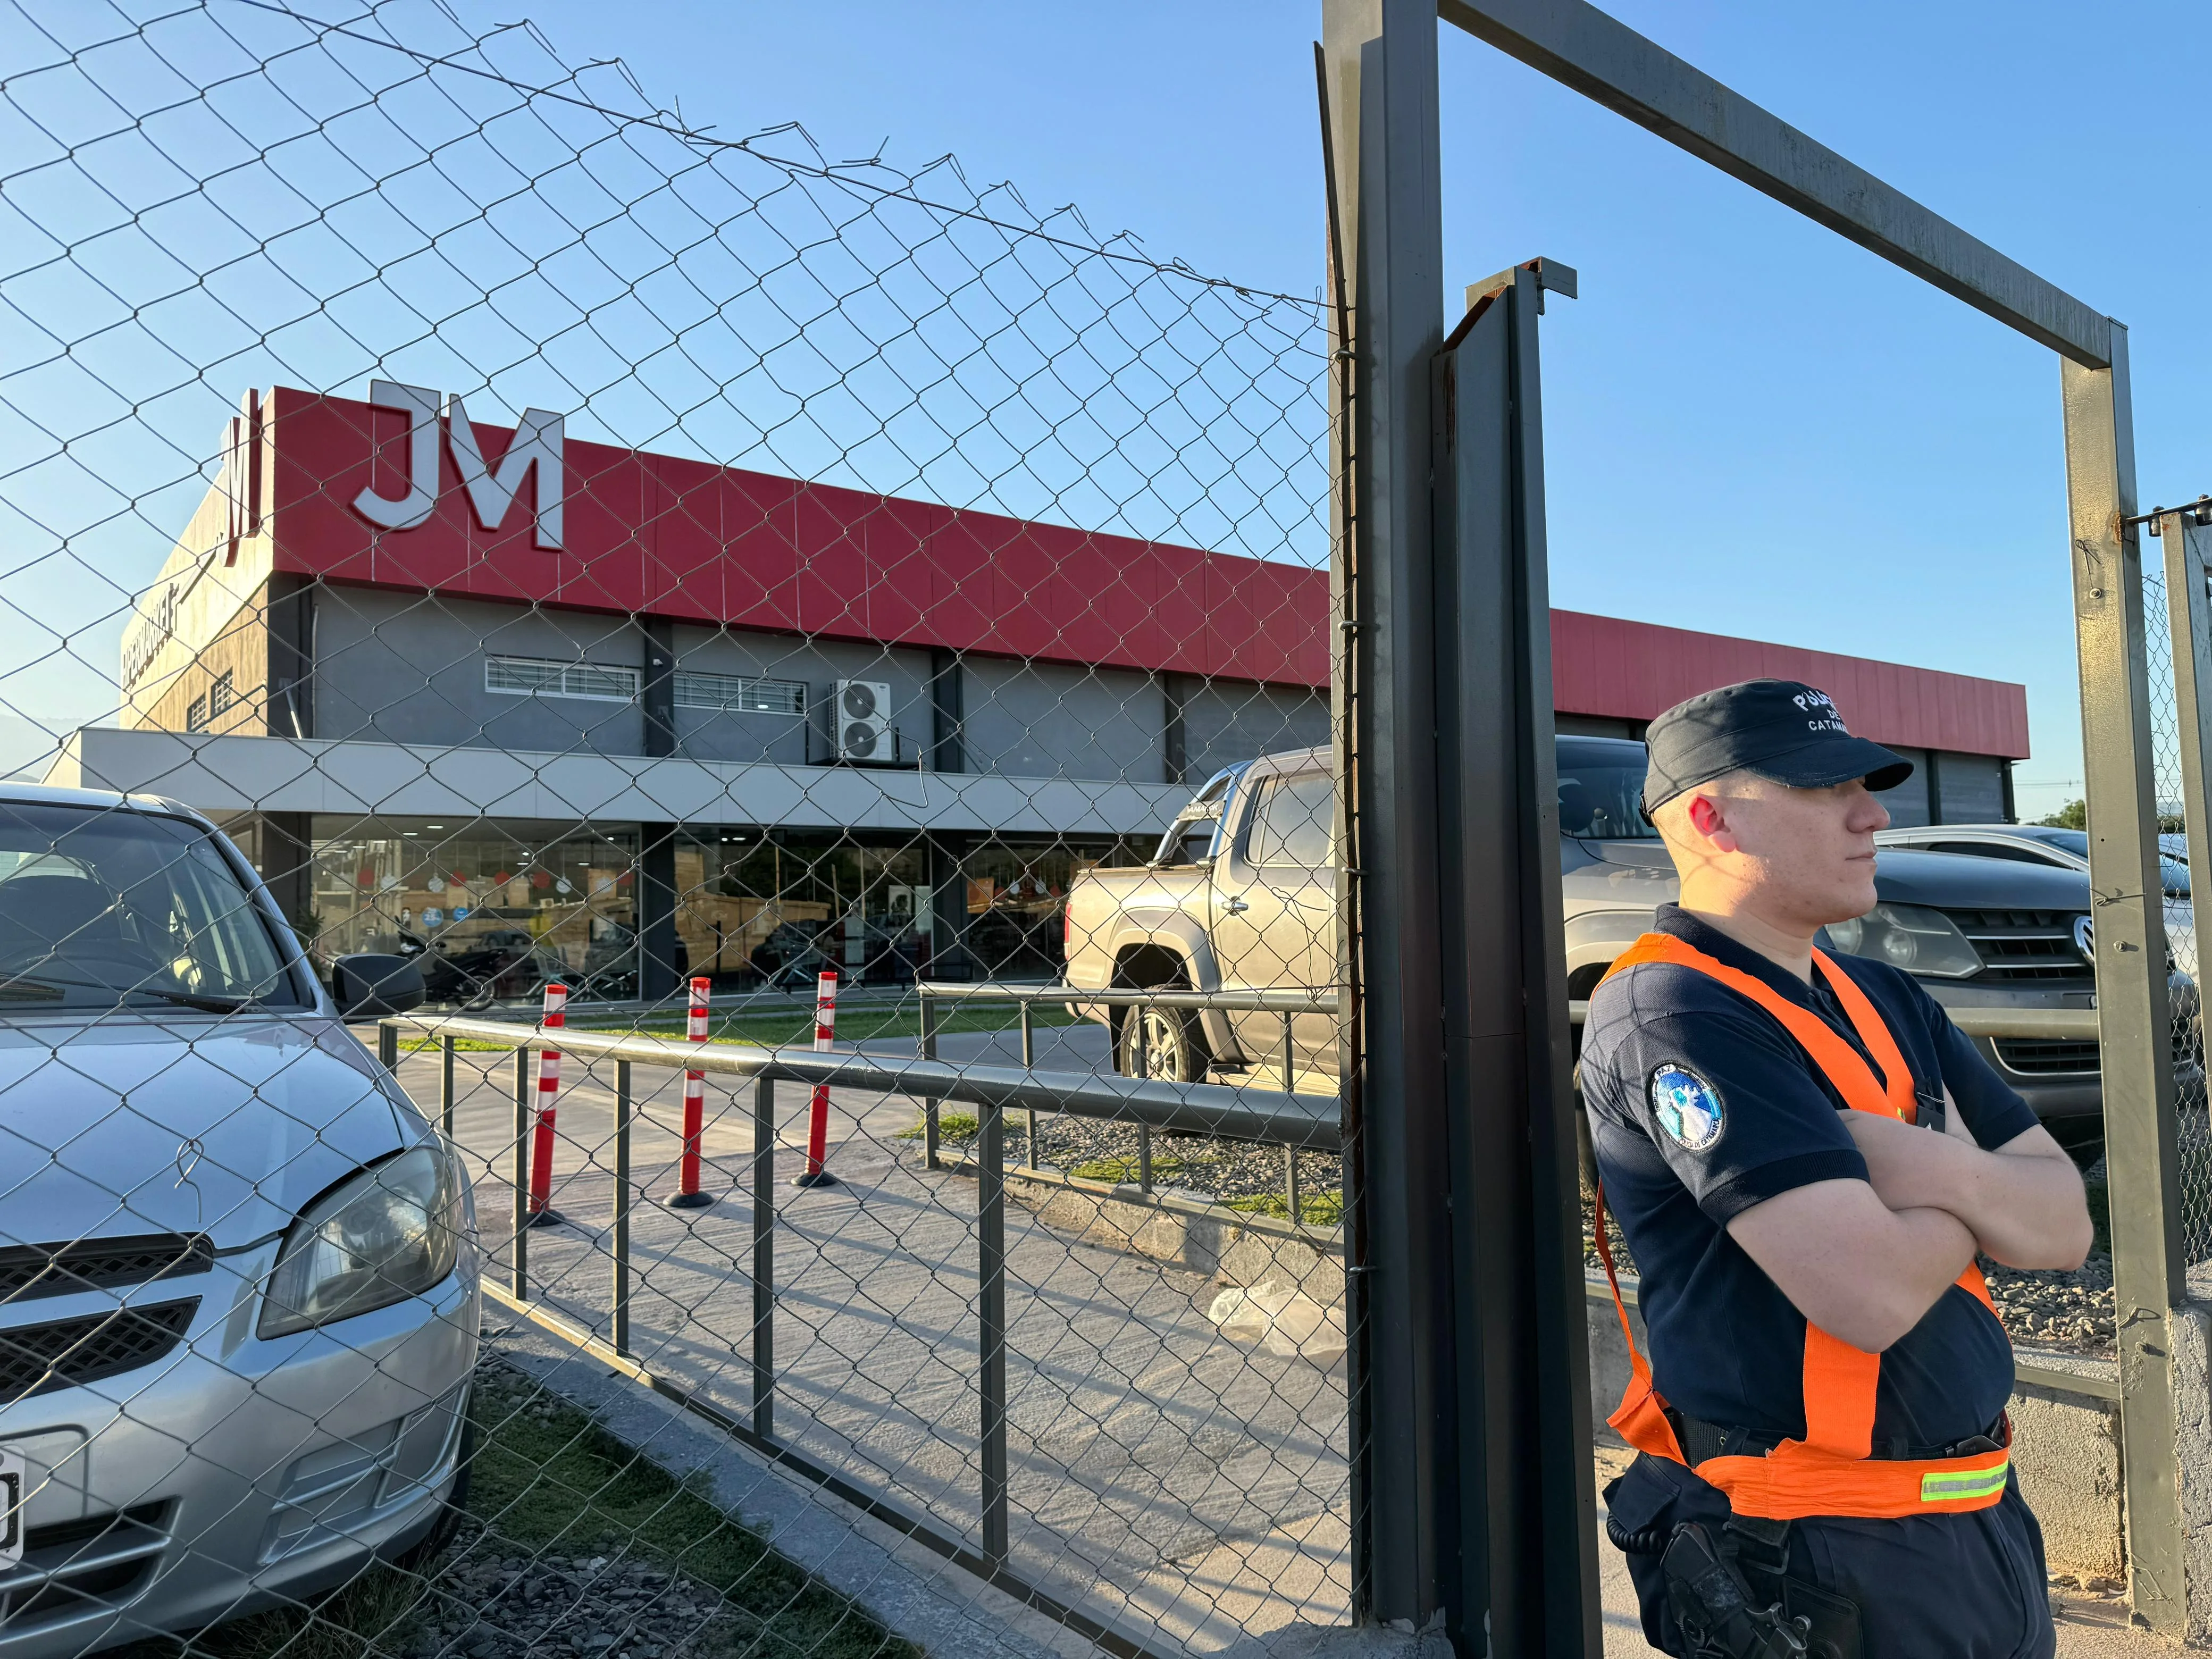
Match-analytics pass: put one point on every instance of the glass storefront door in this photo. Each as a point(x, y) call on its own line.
point(492, 910)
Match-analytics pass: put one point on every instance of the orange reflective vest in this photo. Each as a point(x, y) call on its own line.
point(1829, 1471)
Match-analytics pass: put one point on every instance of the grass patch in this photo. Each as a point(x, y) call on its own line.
point(1322, 1209)
point(373, 1614)
point(858, 1024)
point(546, 1480)
point(950, 1125)
point(855, 1023)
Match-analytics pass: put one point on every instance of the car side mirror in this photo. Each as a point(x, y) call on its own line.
point(371, 987)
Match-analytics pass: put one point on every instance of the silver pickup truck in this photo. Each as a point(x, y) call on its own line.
point(1241, 896)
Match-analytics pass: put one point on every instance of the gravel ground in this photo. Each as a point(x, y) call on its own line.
point(489, 1600)
point(1233, 1172)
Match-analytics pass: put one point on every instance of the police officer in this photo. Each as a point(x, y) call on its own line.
point(1805, 1157)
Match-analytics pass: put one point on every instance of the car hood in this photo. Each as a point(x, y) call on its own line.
point(1640, 873)
point(130, 1125)
point(1962, 881)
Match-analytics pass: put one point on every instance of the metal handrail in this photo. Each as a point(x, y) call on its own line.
point(1323, 1001)
point(1191, 1109)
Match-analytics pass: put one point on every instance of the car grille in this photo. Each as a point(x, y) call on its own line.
point(68, 1353)
point(2034, 1057)
point(74, 1569)
point(2023, 944)
point(99, 1264)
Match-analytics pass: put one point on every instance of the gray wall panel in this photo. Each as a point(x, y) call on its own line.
point(1908, 802)
point(402, 668)
point(1053, 720)
point(1972, 787)
point(1226, 721)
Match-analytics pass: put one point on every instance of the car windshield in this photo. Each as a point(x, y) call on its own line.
point(1601, 779)
point(106, 909)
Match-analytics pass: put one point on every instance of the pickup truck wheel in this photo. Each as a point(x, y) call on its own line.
point(1173, 1046)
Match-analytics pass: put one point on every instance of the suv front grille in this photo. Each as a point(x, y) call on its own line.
point(72, 1569)
point(2037, 1057)
point(68, 1353)
point(2023, 944)
point(99, 1264)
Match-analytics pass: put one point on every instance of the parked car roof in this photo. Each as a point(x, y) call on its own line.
point(20, 792)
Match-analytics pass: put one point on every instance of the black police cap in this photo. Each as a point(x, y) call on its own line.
point(1784, 731)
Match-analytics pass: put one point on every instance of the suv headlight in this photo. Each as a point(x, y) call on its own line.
point(392, 1231)
point(1908, 936)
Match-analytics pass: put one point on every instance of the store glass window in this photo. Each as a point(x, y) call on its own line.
point(755, 911)
point(491, 910)
point(1017, 903)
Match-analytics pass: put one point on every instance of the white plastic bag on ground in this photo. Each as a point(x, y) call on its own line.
point(1283, 1321)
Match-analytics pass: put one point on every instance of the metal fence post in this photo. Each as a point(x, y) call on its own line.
point(991, 1322)
point(526, 1091)
point(1380, 76)
point(2133, 1014)
point(387, 1045)
point(621, 1290)
point(445, 1085)
point(763, 1342)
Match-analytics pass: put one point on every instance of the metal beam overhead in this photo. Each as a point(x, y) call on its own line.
point(1608, 62)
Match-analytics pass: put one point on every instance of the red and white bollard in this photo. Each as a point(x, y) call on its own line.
point(687, 1195)
point(817, 1127)
point(542, 1213)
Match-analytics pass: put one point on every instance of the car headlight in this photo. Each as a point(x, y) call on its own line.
point(1908, 936)
point(392, 1231)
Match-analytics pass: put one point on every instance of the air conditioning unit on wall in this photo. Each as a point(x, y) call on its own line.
point(861, 716)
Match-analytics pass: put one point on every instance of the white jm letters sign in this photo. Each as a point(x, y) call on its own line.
point(535, 453)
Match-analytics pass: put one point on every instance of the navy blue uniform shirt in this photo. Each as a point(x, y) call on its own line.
point(1702, 1105)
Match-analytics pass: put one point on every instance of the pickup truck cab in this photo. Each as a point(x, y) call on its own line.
point(1241, 894)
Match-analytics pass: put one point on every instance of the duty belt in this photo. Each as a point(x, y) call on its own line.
point(1701, 1441)
point(1834, 1469)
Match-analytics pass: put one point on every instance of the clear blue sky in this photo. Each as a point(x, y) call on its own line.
point(1751, 426)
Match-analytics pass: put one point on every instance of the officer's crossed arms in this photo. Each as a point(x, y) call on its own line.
point(1769, 865)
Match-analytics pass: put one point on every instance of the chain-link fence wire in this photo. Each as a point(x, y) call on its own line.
point(559, 547)
point(2188, 1028)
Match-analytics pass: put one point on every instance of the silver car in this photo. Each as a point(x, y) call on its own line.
point(238, 1277)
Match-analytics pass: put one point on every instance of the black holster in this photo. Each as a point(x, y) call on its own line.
point(1733, 1598)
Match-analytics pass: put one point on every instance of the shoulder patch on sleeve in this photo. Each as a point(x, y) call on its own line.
point(1687, 1107)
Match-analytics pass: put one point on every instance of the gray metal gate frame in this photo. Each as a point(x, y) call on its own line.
point(1416, 1483)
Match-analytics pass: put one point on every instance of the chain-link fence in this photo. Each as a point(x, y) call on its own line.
point(2160, 625)
point(685, 587)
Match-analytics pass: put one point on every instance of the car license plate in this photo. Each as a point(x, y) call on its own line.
point(12, 1484)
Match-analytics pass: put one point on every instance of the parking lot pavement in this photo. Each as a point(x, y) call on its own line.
point(1159, 1473)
